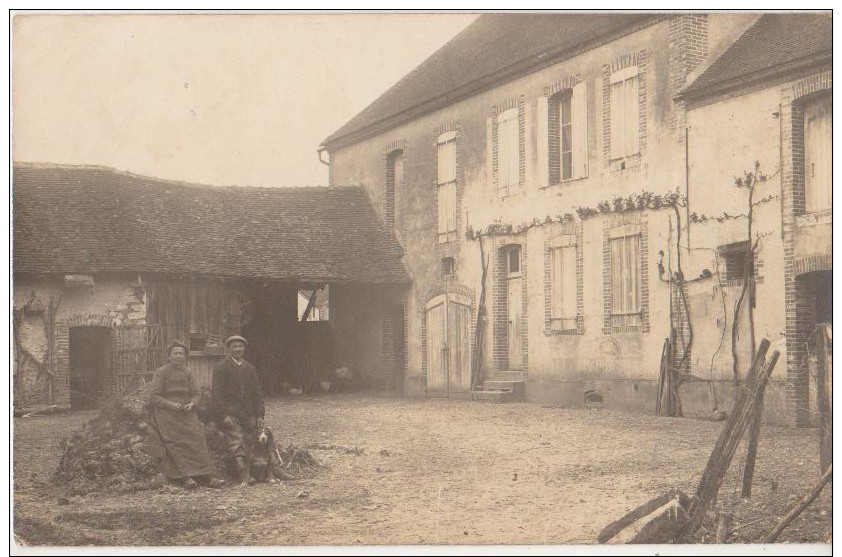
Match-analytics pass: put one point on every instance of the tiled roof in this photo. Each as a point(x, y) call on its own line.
point(91, 219)
point(494, 49)
point(775, 41)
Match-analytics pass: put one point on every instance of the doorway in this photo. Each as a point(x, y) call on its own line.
point(90, 366)
point(514, 307)
point(448, 345)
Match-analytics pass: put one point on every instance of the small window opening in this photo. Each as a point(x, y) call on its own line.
point(448, 267)
point(314, 305)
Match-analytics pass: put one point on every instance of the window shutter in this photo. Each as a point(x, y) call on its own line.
point(818, 142)
point(542, 130)
point(580, 130)
point(508, 151)
point(632, 115)
point(568, 285)
point(617, 299)
point(489, 153)
point(617, 120)
point(555, 283)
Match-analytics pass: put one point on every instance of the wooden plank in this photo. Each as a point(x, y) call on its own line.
point(723, 452)
point(824, 384)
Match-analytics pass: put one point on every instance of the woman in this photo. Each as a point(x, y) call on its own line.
point(175, 434)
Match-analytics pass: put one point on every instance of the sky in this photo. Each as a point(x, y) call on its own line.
point(217, 99)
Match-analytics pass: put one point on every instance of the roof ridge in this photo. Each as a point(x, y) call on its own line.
point(165, 181)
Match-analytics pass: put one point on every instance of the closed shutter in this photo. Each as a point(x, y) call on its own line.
point(818, 153)
point(625, 279)
point(508, 152)
point(625, 113)
point(580, 130)
point(618, 121)
point(542, 130)
point(446, 179)
point(563, 287)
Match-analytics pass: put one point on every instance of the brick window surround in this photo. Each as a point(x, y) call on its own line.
point(394, 155)
point(639, 60)
point(611, 226)
point(447, 286)
point(455, 127)
point(520, 104)
point(572, 232)
point(500, 309)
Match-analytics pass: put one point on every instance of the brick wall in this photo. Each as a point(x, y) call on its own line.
point(688, 47)
point(798, 294)
point(393, 151)
point(61, 357)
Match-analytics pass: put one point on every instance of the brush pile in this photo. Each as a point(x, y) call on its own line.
point(108, 453)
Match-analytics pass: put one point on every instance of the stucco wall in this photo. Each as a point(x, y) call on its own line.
point(112, 301)
point(590, 356)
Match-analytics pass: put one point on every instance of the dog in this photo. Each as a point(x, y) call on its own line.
point(262, 456)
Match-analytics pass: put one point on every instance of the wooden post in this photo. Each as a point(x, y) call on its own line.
point(723, 527)
point(824, 388)
point(751, 450)
point(729, 439)
point(793, 514)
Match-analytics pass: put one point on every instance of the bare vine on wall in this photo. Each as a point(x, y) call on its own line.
point(674, 200)
point(23, 356)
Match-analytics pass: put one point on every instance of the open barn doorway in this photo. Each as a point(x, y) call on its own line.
point(90, 366)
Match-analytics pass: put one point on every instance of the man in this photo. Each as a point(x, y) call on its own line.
point(237, 402)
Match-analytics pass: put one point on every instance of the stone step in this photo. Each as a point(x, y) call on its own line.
point(499, 385)
point(506, 376)
point(494, 396)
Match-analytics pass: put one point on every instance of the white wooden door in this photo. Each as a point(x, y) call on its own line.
point(448, 345)
point(515, 328)
point(459, 343)
point(437, 346)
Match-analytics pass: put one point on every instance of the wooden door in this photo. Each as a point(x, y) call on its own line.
point(459, 343)
point(515, 325)
point(137, 352)
point(448, 345)
point(437, 346)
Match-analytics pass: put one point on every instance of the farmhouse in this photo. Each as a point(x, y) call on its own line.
point(546, 173)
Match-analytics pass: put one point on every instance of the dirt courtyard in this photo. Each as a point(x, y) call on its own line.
point(404, 472)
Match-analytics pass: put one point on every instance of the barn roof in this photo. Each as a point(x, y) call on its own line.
point(775, 44)
point(72, 219)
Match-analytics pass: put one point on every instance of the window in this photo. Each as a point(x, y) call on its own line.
point(196, 343)
point(394, 179)
point(448, 267)
point(568, 130)
point(314, 305)
point(625, 112)
point(446, 181)
point(734, 259)
point(563, 287)
point(625, 280)
point(513, 260)
point(508, 151)
point(818, 152)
